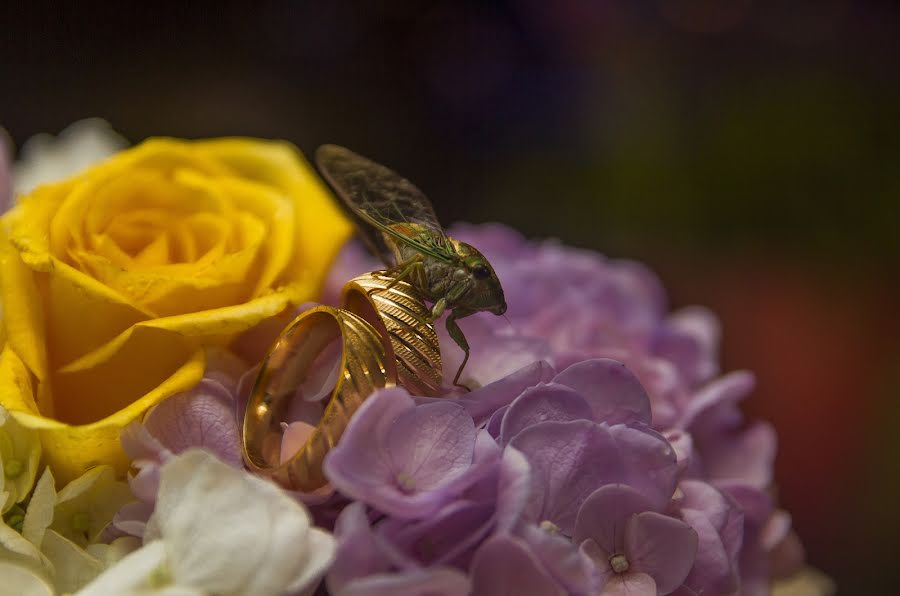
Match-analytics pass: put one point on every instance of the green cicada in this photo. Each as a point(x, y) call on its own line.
point(398, 223)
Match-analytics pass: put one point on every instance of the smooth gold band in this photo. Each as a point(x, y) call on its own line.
point(399, 312)
point(367, 364)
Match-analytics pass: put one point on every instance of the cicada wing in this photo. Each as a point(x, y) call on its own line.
point(382, 202)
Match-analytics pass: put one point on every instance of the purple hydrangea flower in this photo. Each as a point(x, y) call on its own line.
point(407, 460)
point(637, 550)
point(719, 523)
point(626, 465)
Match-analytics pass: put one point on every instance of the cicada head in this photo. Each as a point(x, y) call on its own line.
point(485, 291)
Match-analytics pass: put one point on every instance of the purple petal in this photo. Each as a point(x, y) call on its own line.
point(649, 462)
point(746, 457)
point(440, 581)
point(139, 444)
point(431, 445)
point(225, 368)
point(132, 518)
point(358, 552)
point(714, 570)
point(715, 505)
point(714, 406)
point(484, 401)
point(407, 460)
point(775, 530)
point(492, 356)
point(569, 460)
point(566, 563)
point(144, 484)
point(201, 417)
point(496, 421)
point(513, 488)
point(359, 463)
point(605, 514)
point(505, 566)
point(544, 403)
point(690, 339)
point(662, 547)
point(757, 504)
point(613, 392)
point(683, 445)
point(449, 537)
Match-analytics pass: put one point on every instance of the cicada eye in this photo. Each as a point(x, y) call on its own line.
point(481, 272)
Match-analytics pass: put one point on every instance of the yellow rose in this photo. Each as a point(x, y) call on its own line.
point(116, 280)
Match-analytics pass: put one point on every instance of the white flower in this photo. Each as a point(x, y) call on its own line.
point(23, 580)
point(218, 530)
point(46, 556)
point(5, 175)
point(45, 158)
point(88, 504)
point(20, 454)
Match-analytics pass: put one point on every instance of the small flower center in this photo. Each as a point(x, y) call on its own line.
point(618, 563)
point(159, 577)
point(549, 527)
point(12, 468)
point(81, 521)
point(406, 482)
point(15, 518)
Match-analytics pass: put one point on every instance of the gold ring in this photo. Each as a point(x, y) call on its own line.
point(403, 317)
point(367, 364)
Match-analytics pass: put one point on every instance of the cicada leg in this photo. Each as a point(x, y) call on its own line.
point(405, 270)
point(457, 335)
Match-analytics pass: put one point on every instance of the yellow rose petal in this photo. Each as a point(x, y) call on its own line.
point(321, 227)
point(70, 450)
point(277, 210)
point(106, 381)
point(23, 317)
point(74, 300)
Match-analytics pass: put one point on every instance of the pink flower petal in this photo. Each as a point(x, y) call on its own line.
point(630, 584)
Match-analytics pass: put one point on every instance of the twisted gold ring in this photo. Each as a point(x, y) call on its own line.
point(396, 309)
point(367, 364)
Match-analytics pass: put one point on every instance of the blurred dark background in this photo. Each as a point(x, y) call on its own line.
point(749, 151)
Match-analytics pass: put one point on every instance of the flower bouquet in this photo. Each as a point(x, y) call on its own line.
point(147, 292)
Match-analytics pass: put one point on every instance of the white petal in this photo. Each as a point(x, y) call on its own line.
point(45, 158)
point(320, 551)
point(115, 551)
point(228, 532)
point(132, 574)
point(73, 566)
point(40, 509)
point(14, 546)
point(95, 496)
point(23, 581)
point(23, 446)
